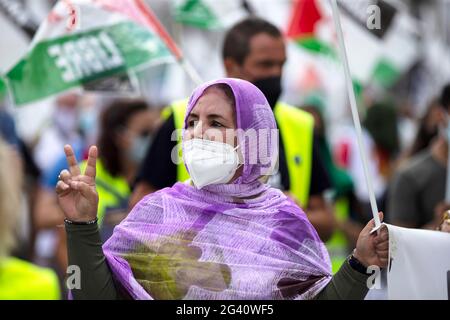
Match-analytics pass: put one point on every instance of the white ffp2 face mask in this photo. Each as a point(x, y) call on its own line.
point(210, 162)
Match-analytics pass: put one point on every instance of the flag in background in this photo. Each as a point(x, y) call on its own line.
point(105, 39)
point(17, 14)
point(377, 55)
point(209, 14)
point(2, 89)
point(303, 27)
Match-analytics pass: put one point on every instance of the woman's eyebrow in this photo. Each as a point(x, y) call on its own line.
point(215, 116)
point(193, 115)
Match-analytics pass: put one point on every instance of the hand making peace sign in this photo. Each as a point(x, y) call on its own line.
point(77, 195)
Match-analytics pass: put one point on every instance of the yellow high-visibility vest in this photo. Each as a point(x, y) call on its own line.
point(21, 280)
point(297, 132)
point(113, 192)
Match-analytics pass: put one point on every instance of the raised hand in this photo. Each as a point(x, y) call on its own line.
point(77, 195)
point(372, 249)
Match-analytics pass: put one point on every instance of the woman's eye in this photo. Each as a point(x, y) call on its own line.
point(191, 123)
point(216, 124)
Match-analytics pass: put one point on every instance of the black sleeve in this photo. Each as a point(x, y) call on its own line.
point(320, 180)
point(158, 169)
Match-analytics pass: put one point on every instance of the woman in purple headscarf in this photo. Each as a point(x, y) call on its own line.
point(223, 234)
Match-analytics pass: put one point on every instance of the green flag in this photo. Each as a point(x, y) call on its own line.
point(208, 14)
point(96, 40)
point(2, 88)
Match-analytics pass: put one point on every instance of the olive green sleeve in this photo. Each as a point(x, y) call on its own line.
point(346, 284)
point(84, 249)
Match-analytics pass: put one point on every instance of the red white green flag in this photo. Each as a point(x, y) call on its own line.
point(84, 41)
point(378, 55)
point(305, 19)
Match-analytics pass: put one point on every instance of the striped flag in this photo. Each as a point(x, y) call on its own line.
point(84, 41)
point(303, 27)
point(380, 54)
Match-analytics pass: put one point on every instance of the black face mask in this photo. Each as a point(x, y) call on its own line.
point(271, 87)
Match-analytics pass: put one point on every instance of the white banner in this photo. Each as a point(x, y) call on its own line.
point(419, 264)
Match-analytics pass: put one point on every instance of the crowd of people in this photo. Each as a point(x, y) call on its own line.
point(134, 158)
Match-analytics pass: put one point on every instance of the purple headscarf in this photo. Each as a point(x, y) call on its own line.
point(243, 240)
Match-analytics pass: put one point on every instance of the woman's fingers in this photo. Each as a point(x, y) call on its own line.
point(369, 227)
point(382, 252)
point(91, 163)
point(383, 262)
point(382, 246)
point(62, 188)
point(65, 176)
point(383, 256)
point(85, 189)
point(382, 241)
point(72, 161)
point(384, 234)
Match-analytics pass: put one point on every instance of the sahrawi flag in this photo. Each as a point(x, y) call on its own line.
point(84, 41)
point(304, 24)
point(381, 40)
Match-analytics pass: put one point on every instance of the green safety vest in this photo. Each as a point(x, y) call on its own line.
point(21, 280)
point(113, 192)
point(296, 129)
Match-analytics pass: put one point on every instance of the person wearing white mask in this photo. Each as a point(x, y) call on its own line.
point(226, 234)
point(417, 195)
point(207, 158)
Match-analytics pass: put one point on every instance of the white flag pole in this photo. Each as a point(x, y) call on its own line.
point(191, 71)
point(354, 108)
point(171, 45)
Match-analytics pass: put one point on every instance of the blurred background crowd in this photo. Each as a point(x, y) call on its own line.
point(403, 99)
